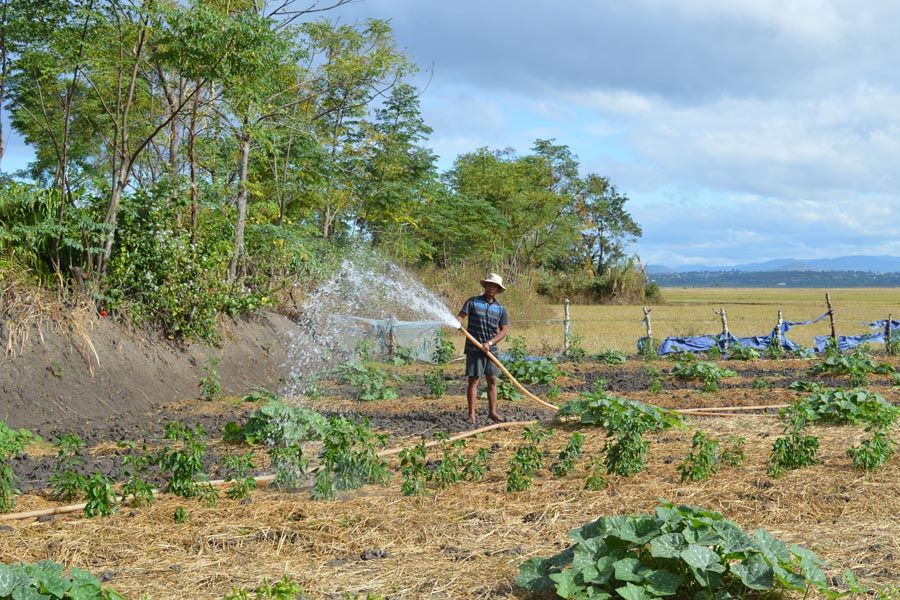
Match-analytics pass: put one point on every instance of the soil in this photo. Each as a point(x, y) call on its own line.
point(67, 375)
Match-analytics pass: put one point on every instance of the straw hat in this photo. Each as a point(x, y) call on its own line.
point(493, 278)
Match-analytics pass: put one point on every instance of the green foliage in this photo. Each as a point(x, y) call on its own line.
point(733, 453)
point(804, 386)
point(182, 462)
point(476, 466)
point(743, 353)
point(348, 458)
point(626, 422)
point(873, 452)
point(709, 373)
point(181, 515)
point(210, 384)
point(702, 459)
point(403, 355)
point(527, 460)
point(844, 407)
point(371, 382)
point(647, 348)
point(66, 482)
point(793, 450)
point(565, 463)
point(760, 384)
point(238, 468)
point(534, 372)
point(518, 348)
point(136, 489)
point(714, 353)
point(610, 357)
point(412, 469)
point(774, 350)
point(595, 481)
point(436, 382)
point(283, 589)
point(101, 498)
point(656, 381)
point(443, 348)
point(857, 365)
point(278, 423)
point(679, 551)
point(47, 579)
point(259, 395)
point(507, 392)
point(452, 468)
point(576, 352)
point(12, 443)
point(553, 393)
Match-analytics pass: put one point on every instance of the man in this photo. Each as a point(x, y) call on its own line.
point(488, 323)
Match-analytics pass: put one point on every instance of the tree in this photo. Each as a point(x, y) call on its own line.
point(606, 227)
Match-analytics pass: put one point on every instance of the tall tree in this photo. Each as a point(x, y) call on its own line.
point(607, 227)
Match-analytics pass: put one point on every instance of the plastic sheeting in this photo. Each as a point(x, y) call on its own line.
point(846, 342)
point(418, 336)
point(705, 343)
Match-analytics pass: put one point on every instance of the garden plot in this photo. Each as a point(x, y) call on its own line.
point(468, 538)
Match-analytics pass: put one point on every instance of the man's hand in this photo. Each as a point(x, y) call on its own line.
point(486, 347)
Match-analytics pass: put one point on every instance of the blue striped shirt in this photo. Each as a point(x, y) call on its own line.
point(484, 319)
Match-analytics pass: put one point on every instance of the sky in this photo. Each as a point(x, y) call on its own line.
point(740, 130)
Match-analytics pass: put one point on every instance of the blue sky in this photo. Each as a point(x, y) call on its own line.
point(741, 130)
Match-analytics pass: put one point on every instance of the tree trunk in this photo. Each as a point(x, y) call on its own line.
point(234, 266)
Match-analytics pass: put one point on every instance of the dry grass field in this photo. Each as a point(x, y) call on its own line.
point(690, 311)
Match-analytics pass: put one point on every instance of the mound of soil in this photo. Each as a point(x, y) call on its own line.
point(99, 370)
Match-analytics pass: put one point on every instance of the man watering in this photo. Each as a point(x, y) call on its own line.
point(488, 323)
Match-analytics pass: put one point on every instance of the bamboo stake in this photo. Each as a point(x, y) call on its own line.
point(778, 333)
point(831, 317)
point(888, 329)
point(567, 327)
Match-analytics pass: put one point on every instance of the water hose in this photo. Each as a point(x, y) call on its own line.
point(506, 372)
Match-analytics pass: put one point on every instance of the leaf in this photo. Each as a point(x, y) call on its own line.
point(701, 557)
point(668, 545)
point(639, 529)
point(28, 593)
point(634, 592)
point(533, 575)
point(11, 577)
point(565, 584)
point(755, 573)
point(734, 540)
point(626, 570)
point(663, 582)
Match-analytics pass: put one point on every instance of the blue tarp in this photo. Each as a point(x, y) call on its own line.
point(704, 343)
point(846, 342)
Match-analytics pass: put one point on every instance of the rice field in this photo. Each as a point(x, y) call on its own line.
point(691, 311)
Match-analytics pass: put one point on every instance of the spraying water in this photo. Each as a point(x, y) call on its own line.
point(366, 286)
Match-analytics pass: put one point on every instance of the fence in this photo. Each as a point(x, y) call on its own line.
point(760, 325)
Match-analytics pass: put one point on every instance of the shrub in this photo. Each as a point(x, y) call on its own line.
point(12, 443)
point(443, 348)
point(565, 463)
point(576, 352)
point(534, 372)
point(872, 453)
point(238, 469)
point(610, 357)
point(136, 489)
point(66, 481)
point(348, 458)
point(101, 498)
point(626, 422)
point(184, 463)
point(702, 459)
point(412, 469)
point(743, 353)
point(47, 579)
point(680, 551)
point(452, 468)
point(210, 385)
point(857, 365)
point(436, 382)
point(278, 423)
point(527, 460)
point(707, 372)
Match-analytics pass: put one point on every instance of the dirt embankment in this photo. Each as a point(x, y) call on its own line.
point(97, 369)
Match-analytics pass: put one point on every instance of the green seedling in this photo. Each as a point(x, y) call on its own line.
point(412, 469)
point(66, 482)
point(210, 384)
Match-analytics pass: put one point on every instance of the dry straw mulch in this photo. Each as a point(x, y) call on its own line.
point(468, 540)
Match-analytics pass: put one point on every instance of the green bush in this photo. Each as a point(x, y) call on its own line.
point(709, 373)
point(679, 551)
point(702, 459)
point(610, 357)
point(857, 365)
point(47, 579)
point(348, 458)
point(12, 443)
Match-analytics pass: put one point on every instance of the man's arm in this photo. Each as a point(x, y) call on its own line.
point(501, 333)
point(460, 317)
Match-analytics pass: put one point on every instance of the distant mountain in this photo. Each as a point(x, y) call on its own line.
point(870, 264)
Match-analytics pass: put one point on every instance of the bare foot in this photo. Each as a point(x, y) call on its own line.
point(497, 418)
point(471, 419)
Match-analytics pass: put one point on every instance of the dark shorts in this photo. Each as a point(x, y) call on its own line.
point(479, 365)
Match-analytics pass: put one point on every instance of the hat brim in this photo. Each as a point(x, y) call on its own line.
point(500, 285)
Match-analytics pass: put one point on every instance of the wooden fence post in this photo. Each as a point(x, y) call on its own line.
point(778, 334)
point(724, 316)
point(567, 326)
point(831, 318)
point(646, 321)
point(888, 328)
